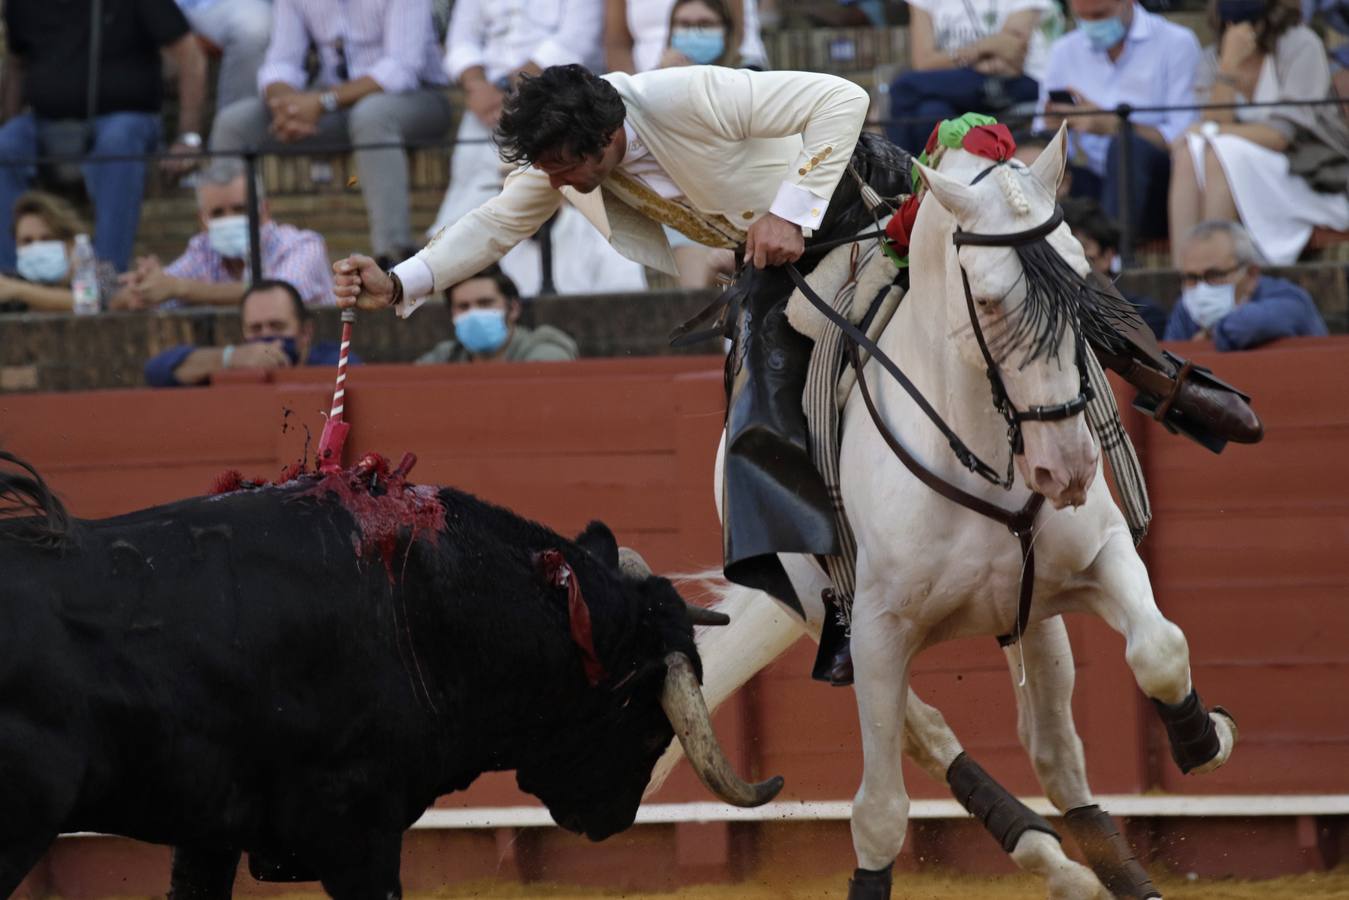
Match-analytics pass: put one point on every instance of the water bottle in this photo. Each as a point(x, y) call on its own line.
point(84, 279)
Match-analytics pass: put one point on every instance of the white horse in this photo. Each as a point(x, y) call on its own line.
point(929, 570)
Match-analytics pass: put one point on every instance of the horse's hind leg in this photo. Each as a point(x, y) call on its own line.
point(1044, 691)
point(1156, 651)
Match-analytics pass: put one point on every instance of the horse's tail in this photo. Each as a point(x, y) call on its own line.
point(760, 631)
point(29, 512)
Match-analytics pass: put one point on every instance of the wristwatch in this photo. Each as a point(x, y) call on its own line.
point(328, 100)
point(1210, 129)
point(190, 139)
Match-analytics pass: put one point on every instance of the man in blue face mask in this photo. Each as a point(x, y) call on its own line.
point(1225, 297)
point(278, 333)
point(213, 270)
point(1121, 53)
point(486, 314)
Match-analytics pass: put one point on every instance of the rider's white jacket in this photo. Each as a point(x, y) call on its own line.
point(734, 142)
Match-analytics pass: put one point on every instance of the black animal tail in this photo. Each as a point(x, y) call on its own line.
point(29, 512)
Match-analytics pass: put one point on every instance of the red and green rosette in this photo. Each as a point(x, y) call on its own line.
point(974, 133)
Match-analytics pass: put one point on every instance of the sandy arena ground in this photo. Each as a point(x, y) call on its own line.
point(1320, 886)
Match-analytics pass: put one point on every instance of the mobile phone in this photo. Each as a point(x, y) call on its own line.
point(1062, 96)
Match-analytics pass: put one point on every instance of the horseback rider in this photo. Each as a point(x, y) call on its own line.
point(767, 163)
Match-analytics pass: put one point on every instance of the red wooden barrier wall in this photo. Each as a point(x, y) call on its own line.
point(1249, 551)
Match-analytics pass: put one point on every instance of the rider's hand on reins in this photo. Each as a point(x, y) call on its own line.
point(773, 241)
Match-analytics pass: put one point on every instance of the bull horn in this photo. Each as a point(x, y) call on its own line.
point(682, 700)
point(702, 616)
point(631, 564)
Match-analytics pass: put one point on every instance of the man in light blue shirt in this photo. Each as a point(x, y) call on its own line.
point(1121, 53)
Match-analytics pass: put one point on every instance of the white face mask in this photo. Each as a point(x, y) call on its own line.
point(228, 236)
point(1207, 303)
point(43, 262)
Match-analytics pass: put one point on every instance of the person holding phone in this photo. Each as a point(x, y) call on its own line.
point(1121, 53)
point(969, 56)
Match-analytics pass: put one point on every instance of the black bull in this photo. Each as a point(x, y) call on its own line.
point(266, 671)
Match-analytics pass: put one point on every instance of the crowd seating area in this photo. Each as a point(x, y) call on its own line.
point(321, 192)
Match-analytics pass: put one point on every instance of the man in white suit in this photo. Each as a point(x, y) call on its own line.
point(732, 158)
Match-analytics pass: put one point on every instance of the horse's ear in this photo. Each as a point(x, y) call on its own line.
point(958, 199)
point(1049, 165)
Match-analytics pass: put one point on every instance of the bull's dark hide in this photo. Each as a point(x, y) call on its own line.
point(227, 672)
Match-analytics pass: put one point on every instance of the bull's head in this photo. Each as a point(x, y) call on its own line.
point(598, 795)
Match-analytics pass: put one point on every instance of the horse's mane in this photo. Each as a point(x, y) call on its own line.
point(1057, 297)
point(29, 512)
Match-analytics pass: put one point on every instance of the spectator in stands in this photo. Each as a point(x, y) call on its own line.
point(1029, 146)
point(490, 43)
point(1099, 238)
point(379, 83)
point(213, 271)
point(1237, 163)
point(47, 68)
point(278, 333)
point(1225, 297)
point(44, 232)
point(486, 311)
point(637, 34)
point(1121, 53)
point(970, 57)
point(240, 30)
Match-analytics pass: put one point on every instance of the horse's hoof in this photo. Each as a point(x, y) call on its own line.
point(1226, 727)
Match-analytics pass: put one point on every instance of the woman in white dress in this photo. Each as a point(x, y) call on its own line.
point(1235, 164)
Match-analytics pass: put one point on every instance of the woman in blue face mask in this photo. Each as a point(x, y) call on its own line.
point(44, 237)
point(701, 34)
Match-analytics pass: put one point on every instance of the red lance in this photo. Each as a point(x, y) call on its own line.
point(335, 429)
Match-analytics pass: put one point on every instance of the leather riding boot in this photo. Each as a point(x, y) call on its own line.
point(774, 500)
point(868, 884)
point(1185, 398)
point(833, 658)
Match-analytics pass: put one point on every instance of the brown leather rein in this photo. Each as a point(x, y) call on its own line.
point(1019, 522)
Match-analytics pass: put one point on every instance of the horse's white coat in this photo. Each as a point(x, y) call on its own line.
point(929, 570)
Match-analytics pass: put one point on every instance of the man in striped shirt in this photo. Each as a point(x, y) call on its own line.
point(213, 270)
point(380, 82)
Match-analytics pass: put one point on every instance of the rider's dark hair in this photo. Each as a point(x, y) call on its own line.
point(564, 109)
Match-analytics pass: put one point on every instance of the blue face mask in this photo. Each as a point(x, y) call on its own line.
point(1103, 33)
point(287, 344)
point(44, 262)
point(702, 46)
point(228, 236)
point(1233, 11)
point(481, 331)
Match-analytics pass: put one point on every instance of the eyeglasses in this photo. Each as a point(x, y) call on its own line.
point(1208, 276)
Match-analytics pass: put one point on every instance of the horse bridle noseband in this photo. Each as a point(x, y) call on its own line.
point(1019, 522)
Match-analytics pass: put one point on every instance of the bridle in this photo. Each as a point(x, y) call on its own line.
point(1019, 522)
point(1013, 416)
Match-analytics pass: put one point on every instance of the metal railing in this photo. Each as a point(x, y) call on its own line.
point(251, 157)
point(1126, 113)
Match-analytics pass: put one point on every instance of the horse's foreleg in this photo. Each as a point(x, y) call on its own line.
point(881, 656)
point(1044, 691)
point(1156, 651)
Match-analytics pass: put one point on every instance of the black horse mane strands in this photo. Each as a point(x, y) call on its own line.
point(29, 512)
point(1058, 298)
